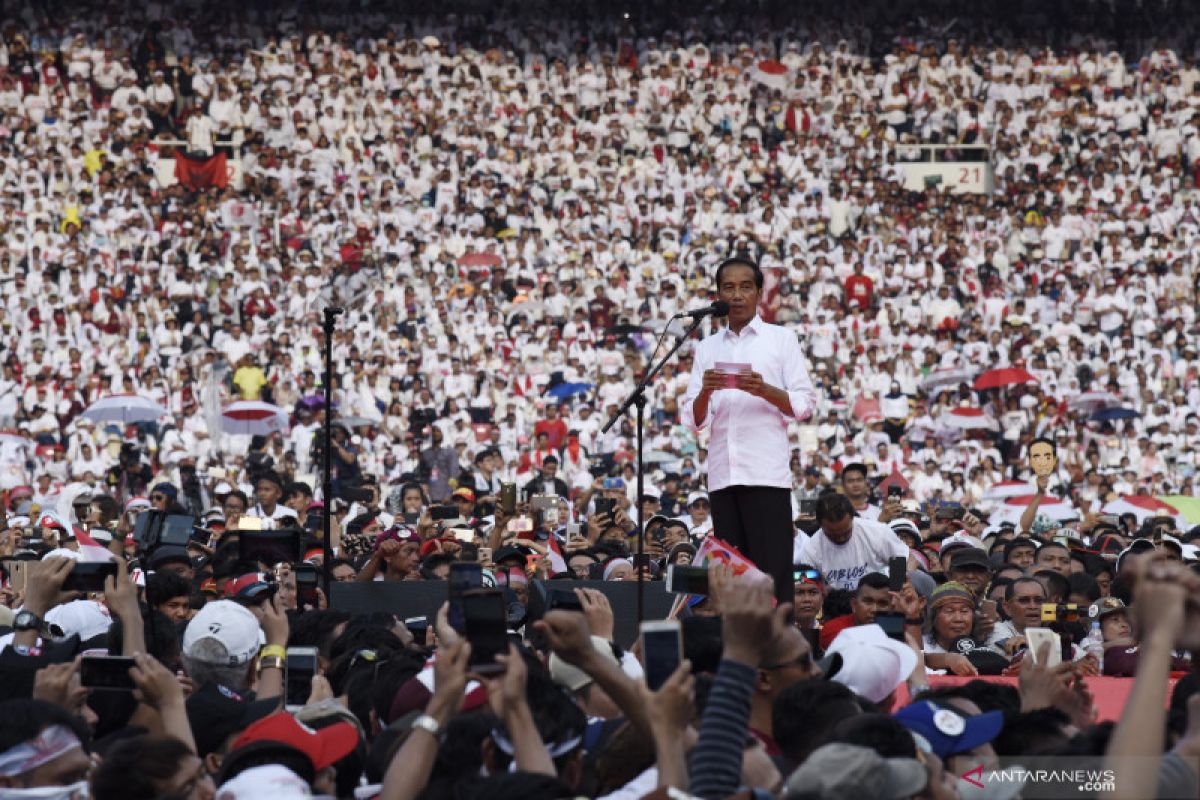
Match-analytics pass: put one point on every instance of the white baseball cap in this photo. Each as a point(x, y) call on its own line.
point(873, 664)
point(269, 780)
point(230, 624)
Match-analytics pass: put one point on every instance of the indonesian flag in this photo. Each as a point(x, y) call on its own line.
point(558, 564)
point(89, 548)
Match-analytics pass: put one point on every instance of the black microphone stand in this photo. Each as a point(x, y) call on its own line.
point(331, 314)
point(638, 398)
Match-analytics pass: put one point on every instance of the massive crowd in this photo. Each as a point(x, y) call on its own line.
point(511, 208)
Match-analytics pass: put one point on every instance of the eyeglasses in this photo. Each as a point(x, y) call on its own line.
point(803, 662)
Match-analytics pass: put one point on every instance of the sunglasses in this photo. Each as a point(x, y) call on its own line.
point(806, 575)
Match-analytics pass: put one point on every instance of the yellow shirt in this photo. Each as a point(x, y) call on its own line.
point(93, 160)
point(250, 381)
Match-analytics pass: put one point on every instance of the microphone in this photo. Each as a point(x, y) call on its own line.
point(718, 309)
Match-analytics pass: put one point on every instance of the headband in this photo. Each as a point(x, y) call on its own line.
point(30, 754)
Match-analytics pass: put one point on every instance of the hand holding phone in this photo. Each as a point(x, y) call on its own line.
point(662, 651)
point(897, 573)
point(106, 673)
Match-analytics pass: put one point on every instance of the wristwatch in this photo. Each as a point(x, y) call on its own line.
point(270, 662)
point(27, 621)
point(428, 724)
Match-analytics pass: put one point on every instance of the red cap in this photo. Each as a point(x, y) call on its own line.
point(323, 747)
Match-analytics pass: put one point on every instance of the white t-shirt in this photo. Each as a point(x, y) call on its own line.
point(870, 546)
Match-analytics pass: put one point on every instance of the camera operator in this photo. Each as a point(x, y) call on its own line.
point(130, 476)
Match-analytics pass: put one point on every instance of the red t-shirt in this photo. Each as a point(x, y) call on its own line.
point(832, 628)
point(555, 430)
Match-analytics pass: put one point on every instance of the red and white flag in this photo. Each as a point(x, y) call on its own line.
point(89, 548)
point(558, 564)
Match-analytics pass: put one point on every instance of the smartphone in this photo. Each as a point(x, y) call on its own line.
point(419, 628)
point(1037, 637)
point(641, 561)
point(176, 530)
point(18, 574)
point(596, 571)
point(249, 523)
point(543, 502)
point(563, 600)
point(444, 512)
point(89, 576)
point(216, 473)
point(520, 525)
point(485, 555)
point(485, 625)
point(299, 669)
point(463, 534)
point(270, 547)
point(464, 576)
point(573, 531)
point(106, 673)
point(611, 484)
point(892, 624)
point(895, 491)
point(988, 608)
point(605, 505)
point(550, 518)
point(897, 573)
point(306, 585)
point(685, 579)
point(662, 650)
point(314, 522)
point(808, 507)
point(508, 498)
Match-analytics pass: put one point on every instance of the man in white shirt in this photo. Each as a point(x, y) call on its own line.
point(847, 546)
point(746, 413)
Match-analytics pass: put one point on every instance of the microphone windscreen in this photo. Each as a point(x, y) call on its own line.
point(720, 309)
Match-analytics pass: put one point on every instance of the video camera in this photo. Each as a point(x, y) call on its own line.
point(1059, 613)
point(155, 528)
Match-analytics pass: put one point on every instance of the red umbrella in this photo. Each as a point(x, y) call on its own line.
point(1006, 376)
point(479, 260)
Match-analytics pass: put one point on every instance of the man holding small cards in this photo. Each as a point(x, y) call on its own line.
point(748, 380)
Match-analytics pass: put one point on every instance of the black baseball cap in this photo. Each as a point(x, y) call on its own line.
point(216, 713)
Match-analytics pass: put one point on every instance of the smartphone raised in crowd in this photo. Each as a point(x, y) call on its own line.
point(662, 650)
point(299, 669)
point(485, 626)
point(464, 576)
point(897, 573)
point(89, 576)
point(106, 673)
point(306, 585)
point(684, 579)
point(508, 498)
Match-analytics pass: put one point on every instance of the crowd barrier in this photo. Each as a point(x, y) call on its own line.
point(423, 598)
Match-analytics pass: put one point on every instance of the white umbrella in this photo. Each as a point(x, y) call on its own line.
point(968, 419)
point(950, 376)
point(1093, 401)
point(124, 408)
point(1006, 489)
point(253, 418)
